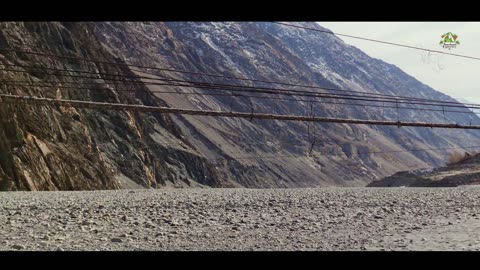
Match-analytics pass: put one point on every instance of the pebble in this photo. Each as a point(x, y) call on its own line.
point(169, 220)
point(18, 247)
point(116, 240)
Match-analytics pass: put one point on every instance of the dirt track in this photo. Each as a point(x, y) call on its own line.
point(241, 219)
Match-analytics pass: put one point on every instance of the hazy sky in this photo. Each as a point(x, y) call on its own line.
point(457, 77)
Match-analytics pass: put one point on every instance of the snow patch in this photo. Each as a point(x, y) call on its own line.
point(210, 43)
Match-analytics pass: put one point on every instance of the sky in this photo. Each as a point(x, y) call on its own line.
point(455, 76)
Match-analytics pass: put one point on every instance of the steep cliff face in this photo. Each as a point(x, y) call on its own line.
point(65, 148)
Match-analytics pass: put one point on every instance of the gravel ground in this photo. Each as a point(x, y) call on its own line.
point(243, 219)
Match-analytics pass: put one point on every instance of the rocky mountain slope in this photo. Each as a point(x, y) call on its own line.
point(464, 172)
point(51, 148)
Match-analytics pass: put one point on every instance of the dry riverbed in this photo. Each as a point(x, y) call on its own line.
point(243, 219)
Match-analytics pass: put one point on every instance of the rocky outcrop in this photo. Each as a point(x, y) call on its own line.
point(466, 172)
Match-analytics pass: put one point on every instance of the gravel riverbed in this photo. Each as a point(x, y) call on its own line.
point(243, 219)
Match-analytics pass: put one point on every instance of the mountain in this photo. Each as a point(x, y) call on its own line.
point(477, 111)
point(64, 148)
point(465, 171)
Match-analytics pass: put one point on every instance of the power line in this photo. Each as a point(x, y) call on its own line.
point(163, 78)
point(378, 41)
point(219, 93)
point(265, 90)
point(143, 108)
point(196, 84)
point(198, 73)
